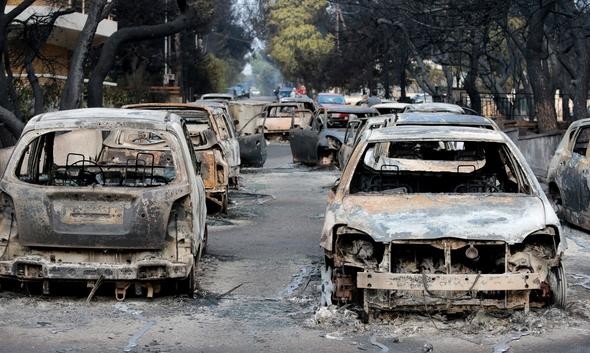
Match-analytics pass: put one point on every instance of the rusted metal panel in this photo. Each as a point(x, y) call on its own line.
point(449, 282)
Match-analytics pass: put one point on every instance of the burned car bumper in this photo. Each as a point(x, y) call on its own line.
point(33, 268)
point(393, 290)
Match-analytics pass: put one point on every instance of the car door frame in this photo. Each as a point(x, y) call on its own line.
point(304, 140)
point(253, 149)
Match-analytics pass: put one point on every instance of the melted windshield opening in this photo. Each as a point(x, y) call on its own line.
point(120, 157)
point(438, 167)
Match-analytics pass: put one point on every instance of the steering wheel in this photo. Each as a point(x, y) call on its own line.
point(88, 173)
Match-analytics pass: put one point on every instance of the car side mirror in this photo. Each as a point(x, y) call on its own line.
point(333, 189)
point(335, 185)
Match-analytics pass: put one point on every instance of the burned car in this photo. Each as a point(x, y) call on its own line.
point(319, 142)
point(278, 118)
point(443, 218)
point(568, 175)
point(207, 138)
point(305, 101)
point(97, 195)
point(218, 97)
point(250, 149)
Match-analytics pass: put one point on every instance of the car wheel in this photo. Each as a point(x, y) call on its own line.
point(204, 245)
point(189, 284)
point(558, 284)
point(327, 285)
point(225, 201)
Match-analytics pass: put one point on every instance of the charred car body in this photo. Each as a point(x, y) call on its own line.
point(206, 135)
point(278, 118)
point(568, 178)
point(103, 194)
point(251, 150)
point(441, 217)
point(319, 142)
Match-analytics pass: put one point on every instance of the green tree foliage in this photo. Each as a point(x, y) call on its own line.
point(296, 42)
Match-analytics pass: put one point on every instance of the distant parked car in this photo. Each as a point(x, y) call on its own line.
point(284, 92)
point(319, 142)
point(440, 218)
point(330, 99)
point(254, 91)
point(103, 194)
point(239, 91)
point(568, 175)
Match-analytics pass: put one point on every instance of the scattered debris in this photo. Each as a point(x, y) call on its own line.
point(373, 341)
point(338, 336)
point(504, 346)
point(138, 314)
point(585, 283)
point(97, 284)
point(334, 316)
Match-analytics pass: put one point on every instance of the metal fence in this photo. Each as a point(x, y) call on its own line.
point(509, 106)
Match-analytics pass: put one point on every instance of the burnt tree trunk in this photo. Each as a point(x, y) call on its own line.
point(538, 69)
point(11, 123)
point(72, 94)
point(5, 84)
point(39, 102)
point(186, 19)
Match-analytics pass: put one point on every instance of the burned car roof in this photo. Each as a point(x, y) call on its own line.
point(414, 118)
point(76, 117)
point(101, 113)
point(435, 132)
point(189, 110)
point(435, 108)
point(349, 109)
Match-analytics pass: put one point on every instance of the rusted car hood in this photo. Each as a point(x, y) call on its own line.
point(391, 217)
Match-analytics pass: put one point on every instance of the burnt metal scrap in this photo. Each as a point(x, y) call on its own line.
point(102, 194)
point(444, 218)
point(568, 178)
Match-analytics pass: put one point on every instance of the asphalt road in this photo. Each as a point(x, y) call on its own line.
point(259, 294)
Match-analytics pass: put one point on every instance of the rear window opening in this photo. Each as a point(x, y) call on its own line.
point(88, 157)
point(197, 122)
point(438, 167)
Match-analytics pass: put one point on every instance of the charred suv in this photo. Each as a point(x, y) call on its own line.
point(103, 195)
point(442, 218)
